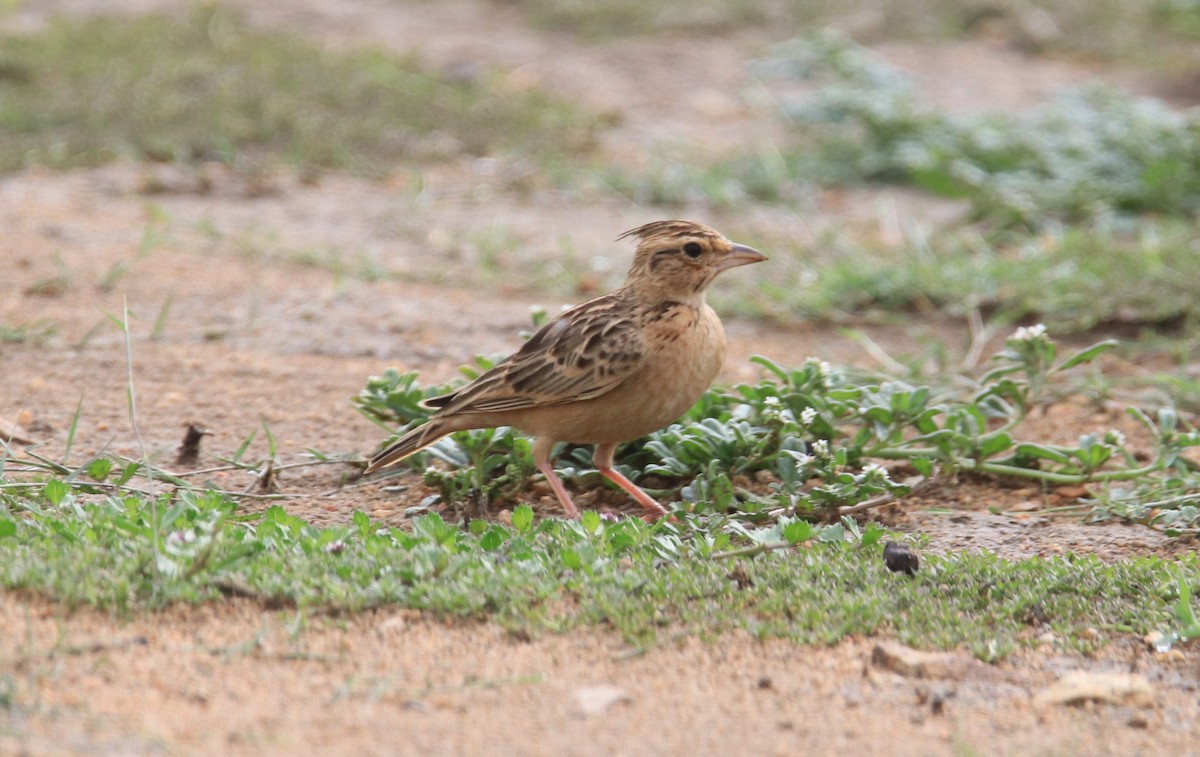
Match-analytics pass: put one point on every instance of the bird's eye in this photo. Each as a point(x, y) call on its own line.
point(693, 250)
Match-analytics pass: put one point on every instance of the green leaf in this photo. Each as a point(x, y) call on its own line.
point(923, 465)
point(1042, 452)
point(938, 181)
point(241, 450)
point(7, 528)
point(571, 559)
point(128, 472)
point(591, 521)
point(56, 491)
point(993, 444)
point(72, 428)
point(99, 468)
point(1168, 420)
point(871, 535)
point(833, 534)
point(1088, 354)
point(1183, 609)
point(361, 522)
point(493, 539)
point(797, 531)
point(522, 519)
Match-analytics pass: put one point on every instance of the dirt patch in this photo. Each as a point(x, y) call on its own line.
point(231, 678)
point(244, 313)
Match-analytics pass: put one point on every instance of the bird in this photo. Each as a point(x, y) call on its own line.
point(606, 371)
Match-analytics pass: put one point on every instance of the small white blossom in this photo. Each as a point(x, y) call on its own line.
point(875, 469)
point(801, 458)
point(771, 402)
point(179, 538)
point(1115, 437)
point(1030, 333)
point(822, 367)
point(820, 448)
point(807, 416)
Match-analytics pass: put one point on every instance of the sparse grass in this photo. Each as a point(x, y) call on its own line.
point(34, 332)
point(1086, 155)
point(1138, 276)
point(637, 579)
point(1103, 29)
point(210, 87)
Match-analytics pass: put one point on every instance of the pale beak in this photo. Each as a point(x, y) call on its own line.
point(739, 254)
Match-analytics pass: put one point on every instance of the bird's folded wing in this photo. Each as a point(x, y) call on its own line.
point(584, 353)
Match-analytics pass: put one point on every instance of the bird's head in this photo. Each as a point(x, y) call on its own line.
point(679, 259)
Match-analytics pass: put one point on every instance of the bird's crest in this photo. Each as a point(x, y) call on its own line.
point(675, 228)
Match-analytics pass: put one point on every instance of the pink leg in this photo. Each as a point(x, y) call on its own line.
point(603, 458)
point(541, 457)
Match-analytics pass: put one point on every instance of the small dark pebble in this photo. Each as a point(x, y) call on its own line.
point(935, 698)
point(900, 558)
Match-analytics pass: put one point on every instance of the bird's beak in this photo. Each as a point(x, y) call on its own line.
point(740, 254)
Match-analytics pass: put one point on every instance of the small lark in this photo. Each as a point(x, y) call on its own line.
point(607, 371)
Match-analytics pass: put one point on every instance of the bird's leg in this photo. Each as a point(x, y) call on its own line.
point(603, 459)
point(541, 458)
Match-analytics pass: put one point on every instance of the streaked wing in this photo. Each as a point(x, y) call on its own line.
point(582, 354)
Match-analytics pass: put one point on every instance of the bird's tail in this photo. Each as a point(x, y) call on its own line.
point(417, 439)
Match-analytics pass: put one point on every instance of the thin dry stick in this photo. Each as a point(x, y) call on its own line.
point(874, 350)
point(133, 421)
point(756, 549)
point(884, 499)
point(979, 337)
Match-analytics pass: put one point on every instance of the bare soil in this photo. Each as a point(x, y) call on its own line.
point(256, 332)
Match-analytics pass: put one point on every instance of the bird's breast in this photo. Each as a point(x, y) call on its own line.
point(683, 350)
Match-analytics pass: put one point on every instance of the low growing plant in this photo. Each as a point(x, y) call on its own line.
point(820, 442)
point(1085, 155)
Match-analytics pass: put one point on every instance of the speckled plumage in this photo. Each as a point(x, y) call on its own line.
point(609, 370)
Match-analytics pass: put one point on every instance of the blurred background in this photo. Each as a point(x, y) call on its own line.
point(1004, 160)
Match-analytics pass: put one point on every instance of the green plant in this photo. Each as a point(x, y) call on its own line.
point(824, 438)
point(1085, 155)
point(705, 574)
point(36, 332)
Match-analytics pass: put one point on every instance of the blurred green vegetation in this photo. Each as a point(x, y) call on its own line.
point(210, 87)
point(1102, 29)
point(1130, 281)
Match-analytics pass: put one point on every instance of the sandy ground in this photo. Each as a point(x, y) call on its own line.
point(253, 333)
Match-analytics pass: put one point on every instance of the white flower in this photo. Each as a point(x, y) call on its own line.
point(771, 402)
point(800, 458)
point(820, 448)
point(807, 416)
point(822, 367)
point(1115, 437)
point(875, 469)
point(1030, 333)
